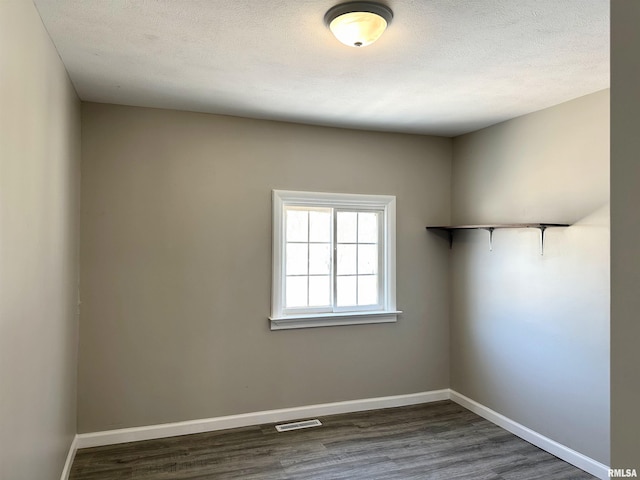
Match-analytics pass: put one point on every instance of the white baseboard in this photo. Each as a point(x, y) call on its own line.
point(111, 437)
point(70, 456)
point(565, 453)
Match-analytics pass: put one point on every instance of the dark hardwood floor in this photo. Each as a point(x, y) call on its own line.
point(436, 441)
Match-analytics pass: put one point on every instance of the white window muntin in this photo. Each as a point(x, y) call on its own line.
point(380, 271)
point(386, 310)
point(304, 310)
point(332, 306)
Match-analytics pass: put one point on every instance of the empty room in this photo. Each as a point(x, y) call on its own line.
point(319, 239)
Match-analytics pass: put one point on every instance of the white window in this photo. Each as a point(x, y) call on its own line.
point(333, 259)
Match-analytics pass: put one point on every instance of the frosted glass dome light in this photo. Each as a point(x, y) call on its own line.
point(358, 24)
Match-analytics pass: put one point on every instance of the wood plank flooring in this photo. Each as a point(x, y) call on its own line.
point(435, 441)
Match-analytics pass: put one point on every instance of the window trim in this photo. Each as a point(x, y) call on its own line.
point(387, 204)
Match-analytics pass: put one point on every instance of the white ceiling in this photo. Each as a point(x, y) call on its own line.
point(443, 67)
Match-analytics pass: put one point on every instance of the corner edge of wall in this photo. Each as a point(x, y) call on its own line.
point(71, 455)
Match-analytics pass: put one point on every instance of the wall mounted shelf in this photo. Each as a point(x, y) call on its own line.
point(450, 229)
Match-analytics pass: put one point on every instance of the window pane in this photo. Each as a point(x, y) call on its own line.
point(297, 258)
point(368, 290)
point(320, 226)
point(346, 291)
point(319, 291)
point(346, 263)
point(367, 259)
point(296, 295)
point(297, 225)
point(347, 227)
point(320, 259)
point(367, 227)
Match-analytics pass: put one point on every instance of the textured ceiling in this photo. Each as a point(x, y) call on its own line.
point(443, 67)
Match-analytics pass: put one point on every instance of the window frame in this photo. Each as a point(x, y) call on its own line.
point(385, 311)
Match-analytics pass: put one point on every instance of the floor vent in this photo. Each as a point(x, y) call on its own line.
point(285, 427)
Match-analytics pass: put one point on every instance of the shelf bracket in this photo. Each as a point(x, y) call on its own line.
point(490, 230)
point(542, 230)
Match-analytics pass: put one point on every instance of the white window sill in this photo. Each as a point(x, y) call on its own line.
point(333, 319)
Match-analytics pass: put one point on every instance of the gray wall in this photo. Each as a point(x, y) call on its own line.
point(530, 333)
point(176, 267)
point(625, 235)
point(39, 212)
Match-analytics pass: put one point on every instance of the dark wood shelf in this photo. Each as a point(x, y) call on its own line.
point(449, 229)
point(496, 226)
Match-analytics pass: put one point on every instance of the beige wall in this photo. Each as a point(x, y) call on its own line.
point(39, 212)
point(530, 333)
point(625, 235)
point(176, 267)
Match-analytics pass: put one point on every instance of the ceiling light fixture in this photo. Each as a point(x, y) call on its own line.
point(358, 24)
